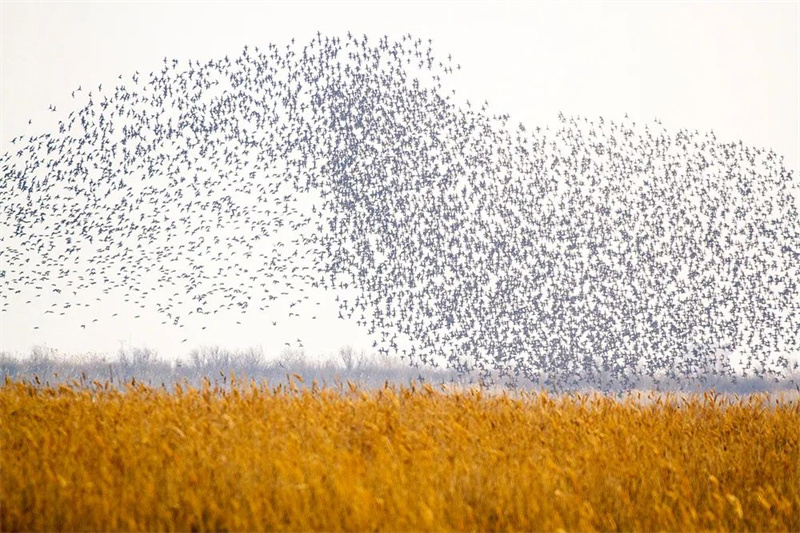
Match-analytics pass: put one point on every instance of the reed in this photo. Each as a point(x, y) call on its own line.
point(254, 458)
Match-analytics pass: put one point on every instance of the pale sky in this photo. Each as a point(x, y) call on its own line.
point(733, 67)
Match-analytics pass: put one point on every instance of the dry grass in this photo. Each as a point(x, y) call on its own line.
point(394, 459)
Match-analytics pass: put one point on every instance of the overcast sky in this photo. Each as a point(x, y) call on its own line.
point(733, 67)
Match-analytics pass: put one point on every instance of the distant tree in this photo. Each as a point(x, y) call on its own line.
point(348, 357)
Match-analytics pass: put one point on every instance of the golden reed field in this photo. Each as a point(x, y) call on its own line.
point(254, 458)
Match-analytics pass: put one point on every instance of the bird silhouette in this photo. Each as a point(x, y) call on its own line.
point(597, 251)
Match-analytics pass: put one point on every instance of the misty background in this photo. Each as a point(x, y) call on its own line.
point(732, 68)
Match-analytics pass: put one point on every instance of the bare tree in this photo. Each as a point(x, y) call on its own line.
point(348, 356)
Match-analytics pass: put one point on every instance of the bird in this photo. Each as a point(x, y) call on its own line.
point(599, 250)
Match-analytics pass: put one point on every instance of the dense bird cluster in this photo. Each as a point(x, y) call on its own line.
point(597, 248)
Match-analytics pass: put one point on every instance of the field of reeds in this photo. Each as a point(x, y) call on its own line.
point(303, 458)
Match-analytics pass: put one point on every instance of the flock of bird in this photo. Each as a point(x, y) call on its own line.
point(597, 248)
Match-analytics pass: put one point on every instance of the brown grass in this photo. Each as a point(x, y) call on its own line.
point(394, 459)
